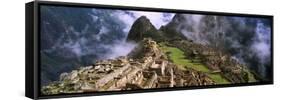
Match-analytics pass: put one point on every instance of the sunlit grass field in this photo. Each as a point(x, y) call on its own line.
point(177, 56)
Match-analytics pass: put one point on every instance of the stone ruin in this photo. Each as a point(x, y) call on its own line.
point(123, 73)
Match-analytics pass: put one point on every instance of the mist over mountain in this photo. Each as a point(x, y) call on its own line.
point(189, 50)
point(247, 39)
point(72, 37)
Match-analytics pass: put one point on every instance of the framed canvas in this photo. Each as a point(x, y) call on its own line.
point(75, 49)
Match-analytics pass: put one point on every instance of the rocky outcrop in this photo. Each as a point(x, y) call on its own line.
point(171, 30)
point(151, 70)
point(142, 28)
point(147, 66)
point(146, 48)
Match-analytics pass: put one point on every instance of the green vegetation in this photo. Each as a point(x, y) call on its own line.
point(177, 56)
point(218, 78)
point(250, 76)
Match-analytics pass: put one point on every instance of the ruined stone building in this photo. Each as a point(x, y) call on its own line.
point(151, 70)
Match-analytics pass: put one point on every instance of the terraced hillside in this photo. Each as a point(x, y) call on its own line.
point(162, 58)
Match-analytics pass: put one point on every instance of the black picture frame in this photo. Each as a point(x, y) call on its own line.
point(32, 67)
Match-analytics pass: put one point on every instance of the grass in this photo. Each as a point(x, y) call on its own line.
point(218, 78)
point(251, 76)
point(177, 56)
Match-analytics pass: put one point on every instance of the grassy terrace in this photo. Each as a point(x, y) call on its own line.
point(177, 56)
point(251, 76)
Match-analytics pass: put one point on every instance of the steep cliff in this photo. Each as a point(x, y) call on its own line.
point(150, 70)
point(162, 58)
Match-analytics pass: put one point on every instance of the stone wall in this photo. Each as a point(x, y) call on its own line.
point(111, 76)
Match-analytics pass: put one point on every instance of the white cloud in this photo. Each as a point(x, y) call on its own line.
point(127, 19)
point(261, 44)
point(121, 48)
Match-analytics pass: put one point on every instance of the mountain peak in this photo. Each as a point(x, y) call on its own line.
point(141, 28)
point(143, 19)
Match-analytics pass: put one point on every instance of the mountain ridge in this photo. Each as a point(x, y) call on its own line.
point(155, 63)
